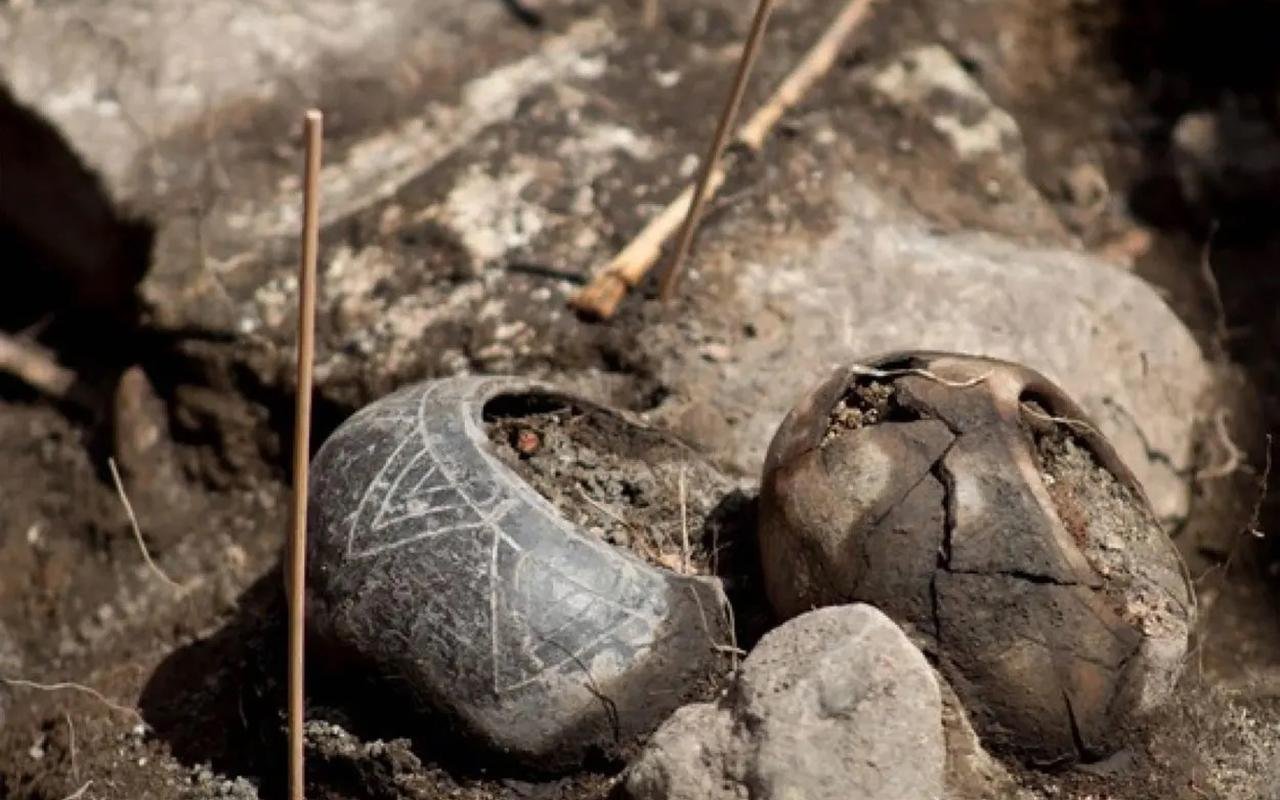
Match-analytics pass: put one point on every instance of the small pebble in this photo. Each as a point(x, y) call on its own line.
point(528, 442)
point(667, 78)
point(1085, 186)
point(716, 352)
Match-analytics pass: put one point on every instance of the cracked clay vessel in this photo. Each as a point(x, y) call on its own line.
point(437, 567)
point(1016, 548)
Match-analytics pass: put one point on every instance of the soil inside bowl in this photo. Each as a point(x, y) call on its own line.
point(633, 487)
point(866, 403)
point(1114, 527)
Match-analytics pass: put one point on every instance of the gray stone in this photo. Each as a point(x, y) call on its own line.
point(131, 75)
point(167, 132)
point(930, 81)
point(693, 756)
point(958, 155)
point(438, 567)
point(835, 704)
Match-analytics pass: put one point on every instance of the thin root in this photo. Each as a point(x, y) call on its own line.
point(1220, 334)
point(1254, 528)
point(76, 687)
point(1077, 425)
point(137, 532)
point(1234, 457)
point(638, 540)
point(871, 372)
point(1255, 519)
point(731, 649)
point(78, 793)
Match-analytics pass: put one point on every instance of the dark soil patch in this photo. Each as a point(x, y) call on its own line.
point(632, 486)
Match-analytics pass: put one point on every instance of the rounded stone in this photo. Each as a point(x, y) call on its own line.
point(434, 564)
point(973, 501)
point(834, 704)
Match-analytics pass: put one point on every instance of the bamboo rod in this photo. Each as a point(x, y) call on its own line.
point(302, 449)
point(671, 278)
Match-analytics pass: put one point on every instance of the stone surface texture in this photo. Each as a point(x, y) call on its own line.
point(882, 281)
point(834, 704)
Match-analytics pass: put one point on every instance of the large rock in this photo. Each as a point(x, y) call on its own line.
point(130, 76)
point(835, 704)
point(182, 117)
point(435, 565)
point(882, 280)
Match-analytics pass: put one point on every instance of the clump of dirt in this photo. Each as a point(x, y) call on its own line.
point(1114, 527)
point(1100, 512)
point(864, 404)
point(632, 486)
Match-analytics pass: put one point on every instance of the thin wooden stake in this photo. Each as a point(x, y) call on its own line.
point(602, 294)
point(302, 448)
point(671, 278)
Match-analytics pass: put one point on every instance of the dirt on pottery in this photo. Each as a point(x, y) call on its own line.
point(641, 489)
point(1105, 517)
point(864, 404)
point(627, 484)
point(1115, 529)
